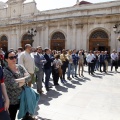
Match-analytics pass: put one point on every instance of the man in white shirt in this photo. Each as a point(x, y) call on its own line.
point(27, 61)
point(114, 60)
point(90, 60)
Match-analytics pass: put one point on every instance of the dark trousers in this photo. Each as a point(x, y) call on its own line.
point(90, 68)
point(47, 77)
point(114, 63)
point(4, 115)
point(13, 111)
point(63, 67)
point(102, 64)
point(85, 61)
point(55, 77)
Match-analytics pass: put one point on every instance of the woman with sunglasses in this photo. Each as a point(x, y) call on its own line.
point(15, 77)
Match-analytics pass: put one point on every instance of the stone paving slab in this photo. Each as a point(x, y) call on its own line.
point(88, 98)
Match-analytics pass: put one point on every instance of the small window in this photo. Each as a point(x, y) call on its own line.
point(99, 34)
point(4, 38)
point(58, 35)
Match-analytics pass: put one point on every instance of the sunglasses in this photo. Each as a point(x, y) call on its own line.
point(12, 57)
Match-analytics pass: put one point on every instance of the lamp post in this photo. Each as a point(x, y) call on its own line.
point(31, 33)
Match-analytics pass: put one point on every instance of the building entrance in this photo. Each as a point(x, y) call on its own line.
point(58, 41)
point(26, 39)
point(99, 41)
point(4, 43)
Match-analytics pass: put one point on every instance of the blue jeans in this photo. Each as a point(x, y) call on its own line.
point(75, 68)
point(70, 69)
point(97, 65)
point(47, 77)
point(4, 115)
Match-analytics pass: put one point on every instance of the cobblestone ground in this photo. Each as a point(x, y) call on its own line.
point(88, 98)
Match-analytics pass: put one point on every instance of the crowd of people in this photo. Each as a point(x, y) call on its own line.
point(36, 65)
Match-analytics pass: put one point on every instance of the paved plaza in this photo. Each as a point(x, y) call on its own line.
point(88, 98)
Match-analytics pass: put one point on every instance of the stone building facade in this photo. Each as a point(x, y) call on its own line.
point(83, 26)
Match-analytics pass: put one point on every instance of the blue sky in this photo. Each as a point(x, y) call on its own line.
point(53, 4)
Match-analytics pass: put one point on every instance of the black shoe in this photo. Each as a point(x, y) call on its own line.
point(92, 74)
point(76, 76)
point(56, 84)
point(72, 76)
point(50, 87)
point(47, 89)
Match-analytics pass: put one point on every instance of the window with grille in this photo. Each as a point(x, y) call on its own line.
point(4, 38)
point(58, 35)
point(99, 34)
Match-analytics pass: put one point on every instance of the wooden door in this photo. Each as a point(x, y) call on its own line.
point(4, 45)
point(98, 44)
point(24, 42)
point(57, 45)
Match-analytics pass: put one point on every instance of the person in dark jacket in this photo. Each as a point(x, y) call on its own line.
point(102, 61)
point(75, 61)
point(47, 67)
point(39, 62)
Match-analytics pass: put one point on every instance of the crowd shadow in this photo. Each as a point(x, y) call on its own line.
point(86, 78)
point(61, 88)
point(40, 118)
point(80, 79)
point(76, 82)
point(68, 85)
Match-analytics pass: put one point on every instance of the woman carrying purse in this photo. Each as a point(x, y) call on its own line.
point(15, 77)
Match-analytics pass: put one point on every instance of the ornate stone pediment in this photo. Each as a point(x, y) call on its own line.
point(15, 1)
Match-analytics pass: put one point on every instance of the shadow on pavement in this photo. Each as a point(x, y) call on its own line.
point(40, 118)
point(85, 78)
point(61, 88)
point(70, 85)
point(45, 98)
point(76, 82)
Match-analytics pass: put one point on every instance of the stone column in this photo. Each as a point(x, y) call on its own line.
point(74, 37)
point(46, 40)
point(68, 38)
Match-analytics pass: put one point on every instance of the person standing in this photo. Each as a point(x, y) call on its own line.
point(70, 65)
point(64, 66)
point(106, 60)
point(102, 62)
point(4, 106)
point(47, 67)
point(39, 62)
point(27, 61)
point(15, 77)
point(114, 59)
point(56, 66)
point(75, 61)
point(80, 63)
point(90, 60)
point(19, 51)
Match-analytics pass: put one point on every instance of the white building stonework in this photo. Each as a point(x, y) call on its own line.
point(82, 26)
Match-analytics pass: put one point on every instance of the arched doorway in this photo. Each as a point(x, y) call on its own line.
point(4, 43)
point(58, 41)
point(99, 41)
point(26, 39)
